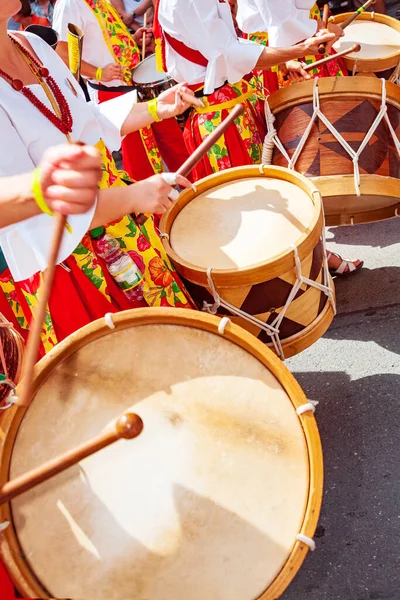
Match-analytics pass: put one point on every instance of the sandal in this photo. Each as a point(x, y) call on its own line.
point(341, 270)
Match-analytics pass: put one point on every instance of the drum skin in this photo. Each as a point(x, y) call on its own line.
point(351, 105)
point(13, 347)
point(260, 289)
point(207, 502)
point(381, 37)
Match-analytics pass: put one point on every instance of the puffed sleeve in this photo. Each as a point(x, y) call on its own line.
point(26, 245)
point(212, 33)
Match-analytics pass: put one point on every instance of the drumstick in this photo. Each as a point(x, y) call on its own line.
point(32, 350)
point(323, 61)
point(356, 14)
point(322, 47)
point(128, 426)
point(204, 147)
point(144, 36)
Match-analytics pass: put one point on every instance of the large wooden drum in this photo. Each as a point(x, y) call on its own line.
point(319, 128)
point(11, 353)
point(379, 38)
point(218, 498)
point(249, 243)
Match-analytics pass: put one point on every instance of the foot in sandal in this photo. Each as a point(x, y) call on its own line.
point(342, 267)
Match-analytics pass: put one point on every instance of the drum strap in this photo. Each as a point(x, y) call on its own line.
point(272, 138)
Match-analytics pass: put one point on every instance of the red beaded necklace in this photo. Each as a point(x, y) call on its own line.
point(64, 122)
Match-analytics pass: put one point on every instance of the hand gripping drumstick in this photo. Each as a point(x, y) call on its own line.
point(75, 45)
point(323, 61)
point(322, 47)
point(356, 14)
point(127, 427)
point(205, 146)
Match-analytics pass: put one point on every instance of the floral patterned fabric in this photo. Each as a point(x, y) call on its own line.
point(161, 285)
point(126, 52)
point(242, 144)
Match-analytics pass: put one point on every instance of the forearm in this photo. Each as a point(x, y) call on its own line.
point(16, 199)
point(137, 118)
point(112, 203)
point(271, 57)
point(87, 70)
point(119, 6)
point(143, 8)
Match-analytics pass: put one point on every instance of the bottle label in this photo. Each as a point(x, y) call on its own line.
point(128, 278)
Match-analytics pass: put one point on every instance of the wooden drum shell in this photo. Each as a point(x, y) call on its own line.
point(314, 307)
point(10, 551)
point(351, 105)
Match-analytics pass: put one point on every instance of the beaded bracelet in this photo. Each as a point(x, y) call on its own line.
point(38, 194)
point(99, 74)
point(152, 106)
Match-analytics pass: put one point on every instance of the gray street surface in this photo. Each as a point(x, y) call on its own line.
point(354, 373)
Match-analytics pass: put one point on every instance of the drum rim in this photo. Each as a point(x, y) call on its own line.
point(10, 552)
point(260, 272)
point(372, 64)
point(137, 84)
point(333, 87)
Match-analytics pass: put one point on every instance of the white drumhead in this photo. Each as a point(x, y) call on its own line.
point(377, 40)
point(146, 72)
point(205, 504)
point(241, 223)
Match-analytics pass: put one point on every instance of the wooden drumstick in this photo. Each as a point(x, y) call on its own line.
point(127, 427)
point(205, 146)
point(323, 61)
point(325, 17)
point(357, 13)
point(144, 37)
point(32, 350)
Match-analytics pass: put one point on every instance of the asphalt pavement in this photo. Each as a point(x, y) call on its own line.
point(354, 374)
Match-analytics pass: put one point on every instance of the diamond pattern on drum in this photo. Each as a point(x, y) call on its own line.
point(266, 300)
point(323, 155)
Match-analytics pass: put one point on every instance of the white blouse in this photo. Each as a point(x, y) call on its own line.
point(206, 26)
point(287, 22)
point(25, 134)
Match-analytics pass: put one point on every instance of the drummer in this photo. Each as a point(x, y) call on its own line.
point(109, 55)
point(199, 45)
point(283, 24)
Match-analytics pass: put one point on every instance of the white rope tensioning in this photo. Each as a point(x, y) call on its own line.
point(272, 137)
point(273, 329)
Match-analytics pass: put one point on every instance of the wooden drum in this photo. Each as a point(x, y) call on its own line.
point(318, 127)
point(235, 241)
point(11, 353)
point(379, 38)
point(219, 496)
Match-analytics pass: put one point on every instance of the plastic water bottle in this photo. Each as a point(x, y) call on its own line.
point(119, 264)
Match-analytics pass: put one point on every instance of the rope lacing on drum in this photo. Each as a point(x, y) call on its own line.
point(6, 325)
point(273, 329)
point(4, 525)
point(304, 539)
point(12, 397)
point(272, 135)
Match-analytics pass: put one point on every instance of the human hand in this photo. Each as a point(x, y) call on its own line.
point(311, 45)
point(69, 178)
point(294, 70)
point(170, 102)
point(111, 72)
point(155, 194)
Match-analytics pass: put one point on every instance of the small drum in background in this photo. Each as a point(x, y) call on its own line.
point(11, 354)
point(249, 243)
point(220, 495)
point(379, 37)
point(328, 129)
point(47, 34)
point(148, 82)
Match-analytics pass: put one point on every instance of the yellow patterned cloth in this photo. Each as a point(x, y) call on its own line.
point(161, 285)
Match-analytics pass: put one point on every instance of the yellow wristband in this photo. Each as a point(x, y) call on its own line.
point(99, 74)
point(152, 106)
point(37, 193)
